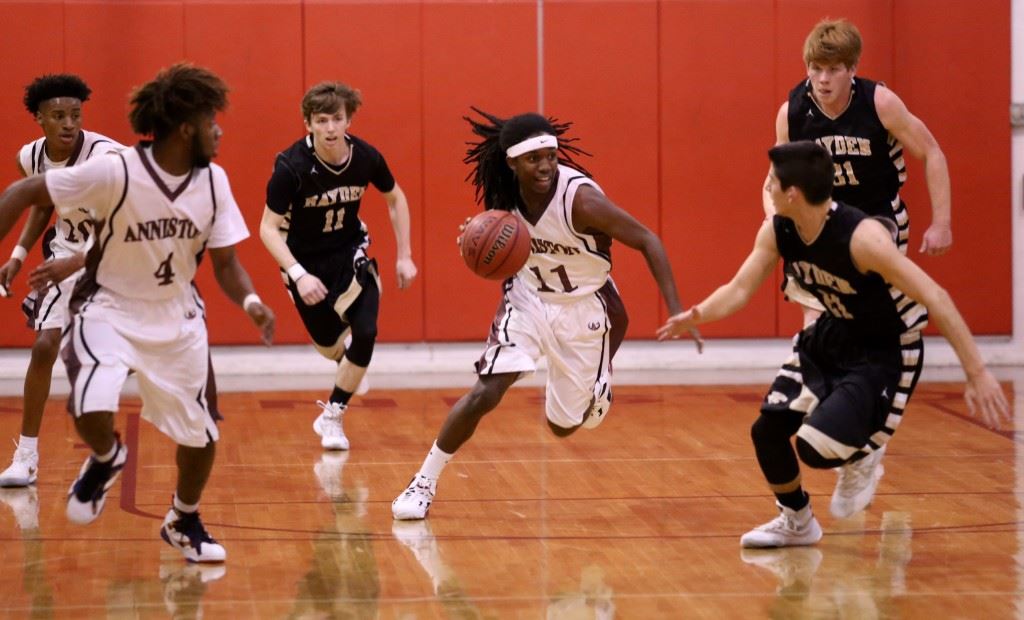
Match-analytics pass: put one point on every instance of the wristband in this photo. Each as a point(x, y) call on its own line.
point(250, 299)
point(295, 272)
point(19, 253)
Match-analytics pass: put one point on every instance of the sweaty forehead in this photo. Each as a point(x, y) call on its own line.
point(60, 103)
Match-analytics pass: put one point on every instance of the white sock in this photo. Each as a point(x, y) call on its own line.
point(29, 443)
point(105, 458)
point(435, 462)
point(181, 506)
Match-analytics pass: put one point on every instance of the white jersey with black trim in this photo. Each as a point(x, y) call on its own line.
point(74, 231)
point(565, 264)
point(150, 236)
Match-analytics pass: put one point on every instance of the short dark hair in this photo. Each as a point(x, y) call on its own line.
point(805, 165)
point(178, 94)
point(54, 85)
point(329, 97)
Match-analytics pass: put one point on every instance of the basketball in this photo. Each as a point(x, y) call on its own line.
point(495, 244)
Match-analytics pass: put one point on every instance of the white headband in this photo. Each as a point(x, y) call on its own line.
point(545, 141)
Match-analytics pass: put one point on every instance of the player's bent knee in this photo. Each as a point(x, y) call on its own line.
point(360, 352)
point(814, 459)
point(334, 352)
point(46, 347)
point(774, 427)
point(483, 398)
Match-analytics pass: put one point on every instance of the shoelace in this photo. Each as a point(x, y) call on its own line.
point(332, 419)
point(783, 522)
point(419, 485)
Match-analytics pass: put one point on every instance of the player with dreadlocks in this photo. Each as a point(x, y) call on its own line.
point(159, 207)
point(562, 305)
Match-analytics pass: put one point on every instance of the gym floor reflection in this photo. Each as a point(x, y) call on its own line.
point(639, 518)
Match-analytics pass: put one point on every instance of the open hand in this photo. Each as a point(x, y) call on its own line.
point(263, 317)
point(985, 396)
point(54, 271)
point(7, 273)
point(684, 322)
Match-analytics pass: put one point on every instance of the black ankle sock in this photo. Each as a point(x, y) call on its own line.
point(794, 500)
point(340, 396)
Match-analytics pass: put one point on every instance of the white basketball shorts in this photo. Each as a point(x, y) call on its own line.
point(163, 342)
point(572, 336)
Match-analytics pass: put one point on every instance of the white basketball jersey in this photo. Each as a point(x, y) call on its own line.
point(73, 231)
point(564, 264)
point(150, 233)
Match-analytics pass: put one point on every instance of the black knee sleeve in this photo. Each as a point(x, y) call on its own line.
point(771, 435)
point(776, 426)
point(361, 349)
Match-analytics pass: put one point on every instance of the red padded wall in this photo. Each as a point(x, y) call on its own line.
point(264, 70)
point(612, 99)
point(377, 48)
point(716, 97)
point(952, 69)
point(676, 99)
point(35, 22)
point(474, 54)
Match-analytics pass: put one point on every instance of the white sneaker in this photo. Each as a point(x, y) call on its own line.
point(416, 535)
point(328, 426)
point(856, 485)
point(185, 532)
point(791, 528)
point(88, 493)
point(24, 503)
point(415, 500)
point(23, 469)
point(328, 472)
point(184, 587)
point(602, 403)
point(793, 566)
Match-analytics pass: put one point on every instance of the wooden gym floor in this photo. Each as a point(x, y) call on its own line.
point(639, 518)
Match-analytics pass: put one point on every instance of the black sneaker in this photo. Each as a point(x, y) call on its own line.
point(185, 532)
point(88, 492)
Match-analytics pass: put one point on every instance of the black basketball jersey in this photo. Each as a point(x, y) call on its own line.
point(869, 166)
point(868, 304)
point(320, 202)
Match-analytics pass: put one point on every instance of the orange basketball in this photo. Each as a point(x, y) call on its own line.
point(495, 244)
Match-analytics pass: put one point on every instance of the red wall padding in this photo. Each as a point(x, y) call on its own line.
point(675, 99)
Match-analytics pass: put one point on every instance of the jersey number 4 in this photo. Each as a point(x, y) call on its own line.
point(164, 274)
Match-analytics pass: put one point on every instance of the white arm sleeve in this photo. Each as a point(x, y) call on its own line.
point(96, 185)
point(228, 225)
